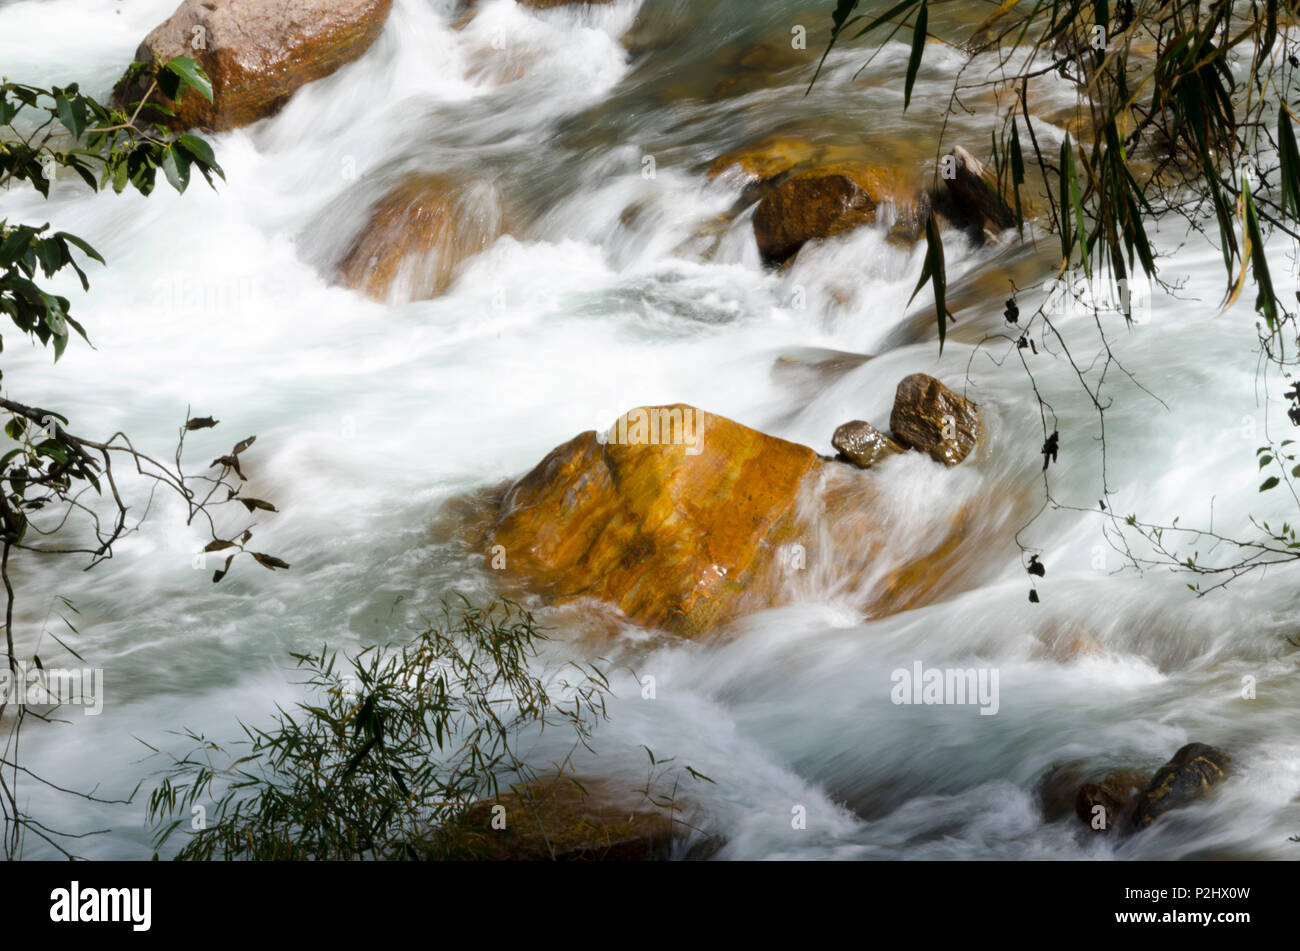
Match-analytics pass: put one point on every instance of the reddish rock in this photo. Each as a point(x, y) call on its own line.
point(257, 53)
point(419, 234)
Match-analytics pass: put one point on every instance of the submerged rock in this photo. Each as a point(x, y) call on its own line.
point(863, 445)
point(806, 371)
point(1194, 770)
point(555, 820)
point(764, 164)
point(931, 418)
point(548, 4)
point(256, 52)
point(1057, 789)
point(742, 68)
point(822, 202)
point(1128, 800)
point(419, 234)
point(1112, 802)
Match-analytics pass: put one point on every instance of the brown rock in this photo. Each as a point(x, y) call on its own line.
point(775, 53)
point(1065, 641)
point(1131, 800)
point(806, 371)
point(973, 188)
point(550, 4)
point(419, 234)
point(764, 164)
point(929, 417)
point(675, 516)
point(1118, 794)
point(656, 27)
point(770, 61)
point(1194, 771)
point(256, 52)
point(863, 445)
point(923, 580)
point(1057, 790)
point(553, 819)
point(689, 535)
point(704, 240)
point(822, 202)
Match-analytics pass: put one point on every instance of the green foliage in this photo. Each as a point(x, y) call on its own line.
point(47, 473)
point(390, 752)
point(1170, 124)
point(918, 50)
point(1182, 118)
point(44, 130)
point(934, 272)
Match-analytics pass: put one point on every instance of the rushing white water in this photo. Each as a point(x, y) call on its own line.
point(369, 417)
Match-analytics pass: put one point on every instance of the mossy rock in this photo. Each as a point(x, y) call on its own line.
point(555, 819)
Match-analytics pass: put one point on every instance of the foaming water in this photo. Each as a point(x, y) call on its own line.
point(621, 288)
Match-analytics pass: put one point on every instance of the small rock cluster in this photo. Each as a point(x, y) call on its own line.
point(927, 417)
point(807, 192)
point(1125, 801)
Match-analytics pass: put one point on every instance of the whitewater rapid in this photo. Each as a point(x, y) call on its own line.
point(370, 417)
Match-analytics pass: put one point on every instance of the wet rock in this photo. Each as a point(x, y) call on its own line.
point(552, 819)
point(1128, 800)
point(658, 25)
point(1193, 772)
point(1074, 119)
point(764, 164)
point(931, 418)
point(1065, 641)
point(774, 54)
point(550, 4)
point(1020, 264)
point(863, 445)
point(807, 371)
point(771, 61)
point(1111, 803)
point(822, 202)
point(674, 516)
point(256, 52)
point(419, 234)
point(1057, 790)
point(705, 239)
point(920, 581)
point(976, 202)
point(684, 521)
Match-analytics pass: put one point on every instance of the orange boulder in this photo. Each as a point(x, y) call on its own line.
point(675, 516)
point(419, 234)
point(825, 201)
point(686, 521)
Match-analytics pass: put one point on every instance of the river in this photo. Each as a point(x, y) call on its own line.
point(370, 417)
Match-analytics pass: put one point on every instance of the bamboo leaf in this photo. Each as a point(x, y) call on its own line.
point(918, 50)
